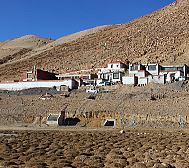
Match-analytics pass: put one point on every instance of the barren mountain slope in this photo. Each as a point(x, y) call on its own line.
point(37, 45)
point(161, 36)
point(12, 50)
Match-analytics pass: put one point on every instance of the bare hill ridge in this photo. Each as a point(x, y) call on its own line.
point(26, 42)
point(161, 36)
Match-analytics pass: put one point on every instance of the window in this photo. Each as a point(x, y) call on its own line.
point(111, 66)
point(29, 75)
point(171, 68)
point(163, 68)
point(85, 77)
point(134, 68)
point(116, 76)
point(180, 68)
point(152, 68)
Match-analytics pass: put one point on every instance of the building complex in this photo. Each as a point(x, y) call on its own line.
point(115, 72)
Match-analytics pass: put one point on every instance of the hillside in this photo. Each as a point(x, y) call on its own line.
point(161, 36)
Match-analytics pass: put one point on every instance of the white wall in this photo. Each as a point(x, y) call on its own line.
point(128, 80)
point(32, 84)
point(140, 73)
point(143, 80)
point(156, 79)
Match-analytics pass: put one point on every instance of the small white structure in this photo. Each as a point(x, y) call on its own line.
point(130, 80)
point(142, 80)
point(110, 122)
point(56, 118)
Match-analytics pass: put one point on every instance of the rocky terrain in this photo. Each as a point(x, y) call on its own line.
point(161, 36)
point(108, 148)
point(91, 110)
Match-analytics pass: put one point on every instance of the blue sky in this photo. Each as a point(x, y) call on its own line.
point(57, 18)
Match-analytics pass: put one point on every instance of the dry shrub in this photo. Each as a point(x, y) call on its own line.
point(78, 164)
point(7, 163)
point(33, 163)
point(111, 156)
point(24, 158)
point(137, 165)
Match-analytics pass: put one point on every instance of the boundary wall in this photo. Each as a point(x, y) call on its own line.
point(8, 85)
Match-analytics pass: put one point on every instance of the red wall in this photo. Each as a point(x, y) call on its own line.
point(24, 75)
point(44, 75)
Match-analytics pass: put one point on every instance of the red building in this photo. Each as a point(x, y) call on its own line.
point(38, 74)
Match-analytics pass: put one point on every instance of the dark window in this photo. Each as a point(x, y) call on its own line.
point(111, 66)
point(67, 77)
point(152, 68)
point(116, 76)
point(171, 68)
point(85, 77)
point(134, 68)
point(109, 123)
point(180, 68)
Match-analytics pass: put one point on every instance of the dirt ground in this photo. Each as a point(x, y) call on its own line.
point(94, 148)
point(148, 143)
point(91, 110)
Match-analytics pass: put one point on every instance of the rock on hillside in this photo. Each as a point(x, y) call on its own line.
point(159, 37)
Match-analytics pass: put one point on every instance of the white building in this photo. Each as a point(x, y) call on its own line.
point(155, 73)
point(56, 118)
point(113, 72)
point(173, 72)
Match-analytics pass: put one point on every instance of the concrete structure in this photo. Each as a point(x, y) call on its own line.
point(110, 122)
point(156, 79)
point(113, 72)
point(56, 118)
point(130, 80)
point(142, 80)
point(20, 85)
